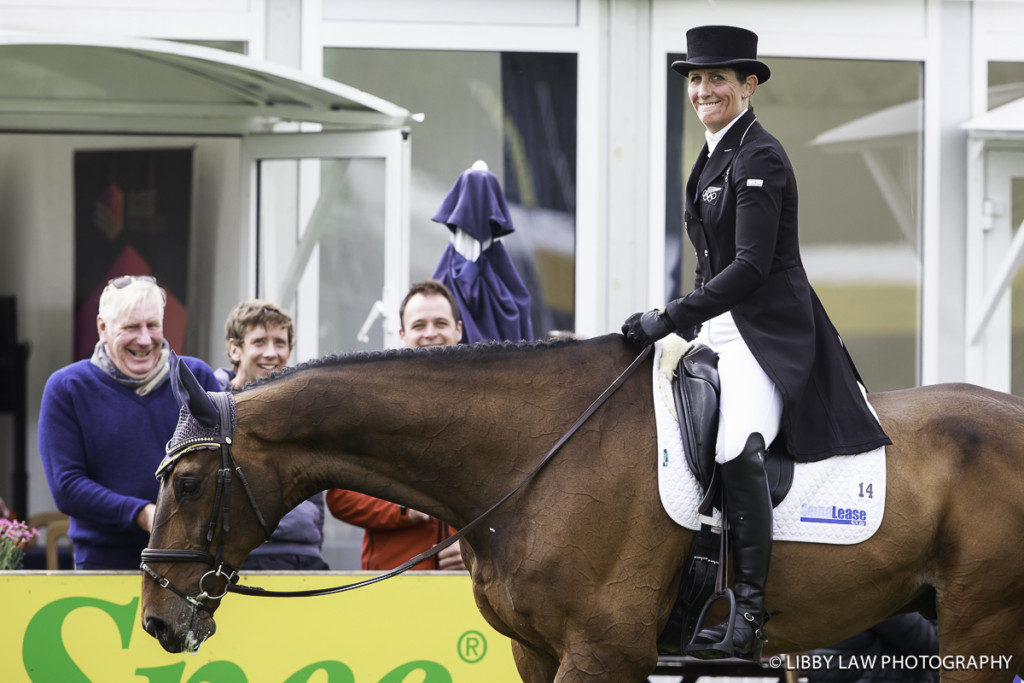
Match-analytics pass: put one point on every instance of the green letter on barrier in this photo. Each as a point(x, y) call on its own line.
point(336, 673)
point(432, 672)
point(169, 673)
point(220, 671)
point(43, 652)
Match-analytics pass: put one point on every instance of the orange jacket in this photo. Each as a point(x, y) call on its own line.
point(390, 538)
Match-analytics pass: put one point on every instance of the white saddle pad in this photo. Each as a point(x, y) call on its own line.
point(837, 500)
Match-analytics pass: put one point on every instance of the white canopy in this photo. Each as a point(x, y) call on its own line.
point(90, 83)
point(1005, 122)
point(891, 126)
point(878, 129)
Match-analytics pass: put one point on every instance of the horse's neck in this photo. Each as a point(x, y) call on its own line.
point(447, 436)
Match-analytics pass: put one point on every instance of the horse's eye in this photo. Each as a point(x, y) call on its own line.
point(187, 486)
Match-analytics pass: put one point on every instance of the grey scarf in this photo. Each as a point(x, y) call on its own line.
point(151, 382)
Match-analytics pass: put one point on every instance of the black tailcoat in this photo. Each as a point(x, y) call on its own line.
point(741, 215)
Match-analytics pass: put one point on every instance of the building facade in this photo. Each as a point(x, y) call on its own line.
point(321, 136)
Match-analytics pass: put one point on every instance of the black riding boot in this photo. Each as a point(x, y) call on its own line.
point(749, 509)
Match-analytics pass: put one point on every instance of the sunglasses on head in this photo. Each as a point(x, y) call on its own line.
point(125, 280)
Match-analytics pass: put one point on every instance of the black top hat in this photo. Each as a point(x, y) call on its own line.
point(732, 46)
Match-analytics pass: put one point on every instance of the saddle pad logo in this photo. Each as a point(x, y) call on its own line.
point(711, 194)
point(833, 514)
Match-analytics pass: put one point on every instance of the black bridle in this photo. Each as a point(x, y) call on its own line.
point(221, 503)
point(220, 514)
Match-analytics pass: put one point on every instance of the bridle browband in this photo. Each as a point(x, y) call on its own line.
point(229, 574)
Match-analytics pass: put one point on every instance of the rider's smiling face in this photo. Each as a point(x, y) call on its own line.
point(718, 96)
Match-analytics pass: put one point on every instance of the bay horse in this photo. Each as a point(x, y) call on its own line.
point(581, 567)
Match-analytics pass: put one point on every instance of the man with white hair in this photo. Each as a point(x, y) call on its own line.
point(103, 424)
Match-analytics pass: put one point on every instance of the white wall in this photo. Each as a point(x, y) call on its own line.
point(232, 20)
point(999, 30)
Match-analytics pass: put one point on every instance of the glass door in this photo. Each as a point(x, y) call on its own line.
point(330, 228)
point(329, 235)
point(995, 339)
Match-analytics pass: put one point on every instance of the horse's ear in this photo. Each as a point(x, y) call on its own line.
point(191, 394)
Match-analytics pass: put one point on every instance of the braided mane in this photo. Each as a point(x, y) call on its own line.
point(458, 351)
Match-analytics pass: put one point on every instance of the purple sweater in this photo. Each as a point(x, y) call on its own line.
point(100, 444)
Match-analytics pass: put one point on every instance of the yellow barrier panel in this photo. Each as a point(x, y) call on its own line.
point(68, 627)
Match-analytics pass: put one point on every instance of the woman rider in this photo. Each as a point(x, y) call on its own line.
point(785, 374)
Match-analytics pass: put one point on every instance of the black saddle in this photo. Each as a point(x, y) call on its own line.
point(696, 390)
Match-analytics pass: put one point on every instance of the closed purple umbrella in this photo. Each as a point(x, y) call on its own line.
point(493, 300)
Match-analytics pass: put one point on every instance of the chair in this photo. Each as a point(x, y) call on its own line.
point(55, 525)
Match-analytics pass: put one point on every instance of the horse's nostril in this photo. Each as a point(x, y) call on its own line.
point(156, 627)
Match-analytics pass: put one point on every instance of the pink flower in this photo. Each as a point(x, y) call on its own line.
point(14, 537)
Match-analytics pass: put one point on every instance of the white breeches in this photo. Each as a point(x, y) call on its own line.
point(749, 402)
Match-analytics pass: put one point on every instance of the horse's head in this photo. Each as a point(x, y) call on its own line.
point(207, 519)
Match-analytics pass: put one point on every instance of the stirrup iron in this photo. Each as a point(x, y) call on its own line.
point(723, 648)
point(726, 647)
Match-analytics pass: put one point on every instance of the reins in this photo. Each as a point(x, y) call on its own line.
point(230, 574)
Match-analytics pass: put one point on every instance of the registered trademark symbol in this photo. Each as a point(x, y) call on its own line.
point(472, 646)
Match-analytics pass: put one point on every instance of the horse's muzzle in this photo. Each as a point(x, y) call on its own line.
point(159, 629)
point(185, 636)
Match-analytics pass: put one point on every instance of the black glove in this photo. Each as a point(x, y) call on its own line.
point(643, 329)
